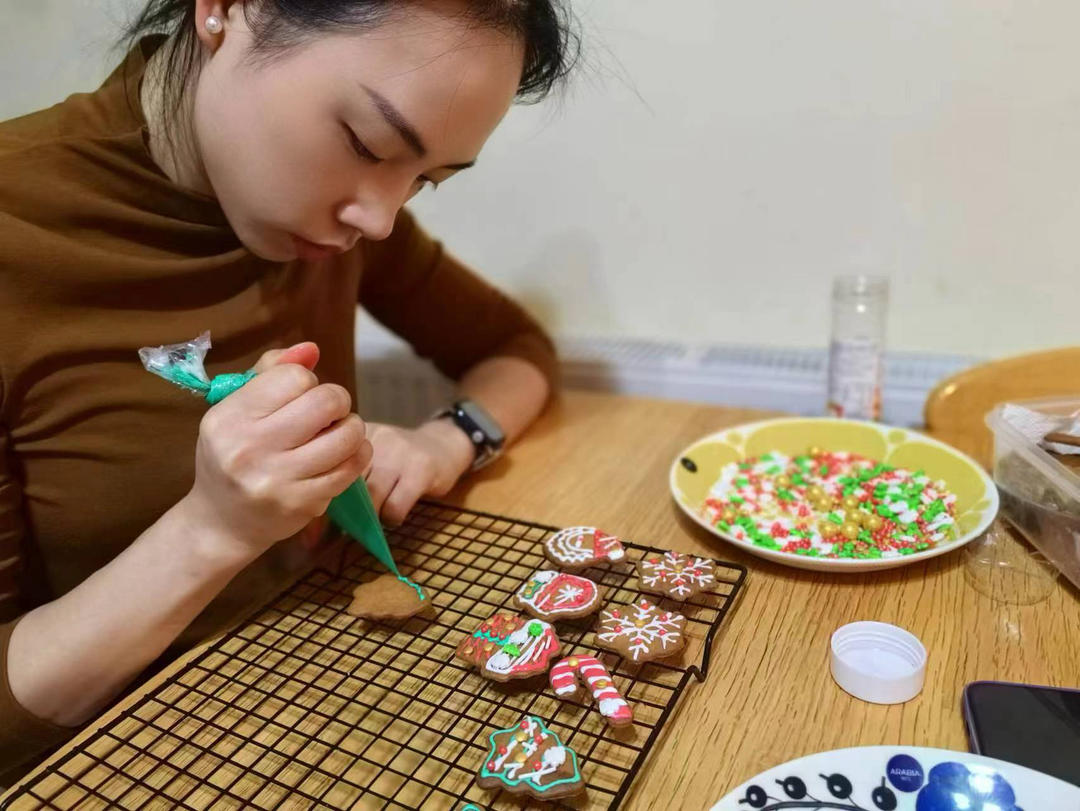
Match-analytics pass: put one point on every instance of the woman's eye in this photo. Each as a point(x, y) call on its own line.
point(359, 148)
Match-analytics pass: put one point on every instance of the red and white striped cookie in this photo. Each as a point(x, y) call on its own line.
point(565, 677)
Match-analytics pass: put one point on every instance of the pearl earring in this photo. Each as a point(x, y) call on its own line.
point(213, 25)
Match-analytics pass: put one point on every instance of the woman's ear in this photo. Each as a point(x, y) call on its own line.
point(211, 20)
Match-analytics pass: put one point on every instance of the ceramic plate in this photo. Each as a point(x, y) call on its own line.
point(697, 468)
point(898, 778)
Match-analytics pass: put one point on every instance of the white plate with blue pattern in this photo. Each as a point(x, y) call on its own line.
point(901, 778)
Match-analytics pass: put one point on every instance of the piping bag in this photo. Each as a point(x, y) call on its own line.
point(352, 510)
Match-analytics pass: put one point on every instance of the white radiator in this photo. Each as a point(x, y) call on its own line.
point(395, 386)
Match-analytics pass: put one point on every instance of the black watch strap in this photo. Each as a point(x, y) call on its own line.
point(479, 426)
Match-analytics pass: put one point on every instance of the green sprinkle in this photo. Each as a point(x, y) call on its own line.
point(846, 480)
point(905, 550)
point(884, 511)
point(723, 526)
point(797, 479)
point(766, 457)
point(785, 495)
point(742, 482)
point(836, 519)
point(865, 536)
point(922, 546)
point(738, 500)
point(823, 470)
point(745, 466)
point(773, 470)
point(512, 649)
point(535, 629)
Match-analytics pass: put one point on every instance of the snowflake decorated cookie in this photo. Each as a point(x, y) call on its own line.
point(507, 646)
point(641, 632)
point(529, 758)
point(675, 575)
point(551, 595)
point(577, 548)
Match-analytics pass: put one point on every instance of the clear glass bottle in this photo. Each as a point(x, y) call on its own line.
point(857, 347)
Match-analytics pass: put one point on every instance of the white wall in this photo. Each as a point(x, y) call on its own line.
point(715, 163)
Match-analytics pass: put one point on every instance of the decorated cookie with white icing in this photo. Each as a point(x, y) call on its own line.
point(641, 632)
point(529, 758)
point(676, 576)
point(508, 646)
point(551, 595)
point(577, 548)
point(566, 675)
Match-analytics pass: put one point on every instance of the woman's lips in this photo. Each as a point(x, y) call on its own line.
point(305, 249)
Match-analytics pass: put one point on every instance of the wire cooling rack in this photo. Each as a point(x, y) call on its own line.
point(304, 706)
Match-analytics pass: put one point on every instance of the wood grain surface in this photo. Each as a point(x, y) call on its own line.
point(604, 460)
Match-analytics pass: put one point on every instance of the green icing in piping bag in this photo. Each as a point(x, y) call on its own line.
point(352, 511)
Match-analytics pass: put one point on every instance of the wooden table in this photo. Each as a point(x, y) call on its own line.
point(769, 697)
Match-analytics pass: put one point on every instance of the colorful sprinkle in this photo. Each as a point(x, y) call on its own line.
point(831, 505)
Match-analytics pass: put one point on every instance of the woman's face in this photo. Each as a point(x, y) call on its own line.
point(322, 145)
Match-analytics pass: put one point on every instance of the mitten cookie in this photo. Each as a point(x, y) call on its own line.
point(550, 595)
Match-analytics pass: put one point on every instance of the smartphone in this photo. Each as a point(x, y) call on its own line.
point(1037, 727)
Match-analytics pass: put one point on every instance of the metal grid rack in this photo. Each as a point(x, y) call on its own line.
point(305, 706)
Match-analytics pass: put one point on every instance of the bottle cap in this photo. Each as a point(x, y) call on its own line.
point(878, 662)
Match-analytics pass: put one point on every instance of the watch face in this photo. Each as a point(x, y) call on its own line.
point(483, 421)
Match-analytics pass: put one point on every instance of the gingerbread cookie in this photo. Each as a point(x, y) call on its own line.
point(641, 632)
point(564, 681)
point(577, 548)
point(675, 575)
point(388, 597)
point(508, 646)
point(550, 595)
point(529, 758)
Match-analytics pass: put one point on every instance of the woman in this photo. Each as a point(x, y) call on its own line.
point(244, 174)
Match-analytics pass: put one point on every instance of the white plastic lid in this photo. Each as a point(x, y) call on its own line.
point(878, 662)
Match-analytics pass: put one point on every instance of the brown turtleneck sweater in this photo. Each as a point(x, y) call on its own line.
point(100, 254)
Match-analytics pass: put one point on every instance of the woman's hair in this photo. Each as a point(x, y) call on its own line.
point(545, 27)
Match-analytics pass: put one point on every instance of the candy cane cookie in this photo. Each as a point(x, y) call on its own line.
point(565, 677)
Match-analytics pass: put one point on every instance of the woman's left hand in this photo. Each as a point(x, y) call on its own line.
point(408, 464)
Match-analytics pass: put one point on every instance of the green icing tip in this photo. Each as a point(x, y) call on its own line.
point(512, 649)
point(535, 629)
point(408, 582)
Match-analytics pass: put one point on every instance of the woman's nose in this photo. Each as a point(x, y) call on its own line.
point(372, 222)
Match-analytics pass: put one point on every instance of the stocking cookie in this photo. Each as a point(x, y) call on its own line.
point(508, 646)
point(550, 595)
point(641, 632)
point(529, 758)
point(675, 575)
point(388, 597)
point(564, 681)
point(577, 548)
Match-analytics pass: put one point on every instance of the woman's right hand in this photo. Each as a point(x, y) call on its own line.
point(272, 455)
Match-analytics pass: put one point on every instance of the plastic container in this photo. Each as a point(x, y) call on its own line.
point(857, 347)
point(1040, 495)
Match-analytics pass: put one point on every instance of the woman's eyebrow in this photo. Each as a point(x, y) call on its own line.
point(406, 130)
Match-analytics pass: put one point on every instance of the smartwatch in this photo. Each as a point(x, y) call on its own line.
point(481, 429)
